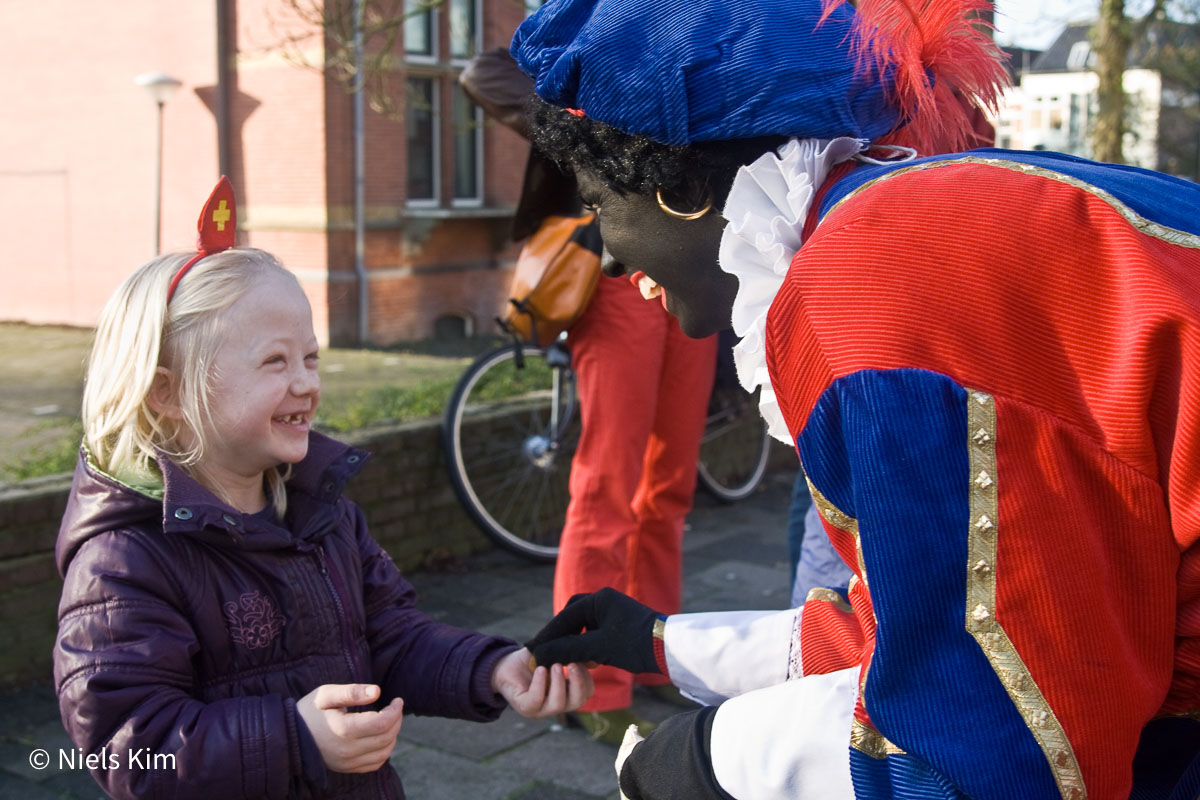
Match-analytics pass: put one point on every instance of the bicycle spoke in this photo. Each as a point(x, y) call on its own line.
point(733, 449)
point(510, 422)
point(513, 490)
point(498, 458)
point(509, 478)
point(535, 506)
point(512, 498)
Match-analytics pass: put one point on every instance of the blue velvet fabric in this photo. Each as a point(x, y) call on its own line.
point(930, 689)
point(682, 71)
point(1167, 764)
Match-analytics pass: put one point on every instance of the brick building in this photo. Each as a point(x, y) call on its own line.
point(78, 159)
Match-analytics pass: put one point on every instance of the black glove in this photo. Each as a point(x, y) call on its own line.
point(619, 633)
point(675, 762)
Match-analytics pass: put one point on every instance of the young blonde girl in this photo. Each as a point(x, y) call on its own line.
point(225, 613)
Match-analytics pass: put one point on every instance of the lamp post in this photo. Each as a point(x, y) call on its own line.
point(160, 86)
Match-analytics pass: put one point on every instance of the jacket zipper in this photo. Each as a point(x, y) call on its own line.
point(347, 643)
point(347, 623)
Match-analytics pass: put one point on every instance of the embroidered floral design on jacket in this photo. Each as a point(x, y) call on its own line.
point(253, 620)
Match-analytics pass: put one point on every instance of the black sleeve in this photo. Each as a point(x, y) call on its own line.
point(675, 762)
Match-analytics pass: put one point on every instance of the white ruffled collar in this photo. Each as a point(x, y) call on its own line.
point(766, 209)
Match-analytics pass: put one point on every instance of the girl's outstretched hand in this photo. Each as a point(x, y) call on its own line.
point(540, 692)
point(351, 741)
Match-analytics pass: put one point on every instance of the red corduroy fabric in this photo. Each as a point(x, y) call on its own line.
point(839, 644)
point(1085, 330)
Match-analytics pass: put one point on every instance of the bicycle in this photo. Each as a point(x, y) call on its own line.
point(512, 425)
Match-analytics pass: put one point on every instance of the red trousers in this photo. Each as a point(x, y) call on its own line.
point(643, 388)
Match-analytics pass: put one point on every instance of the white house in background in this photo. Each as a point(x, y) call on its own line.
point(1053, 105)
point(1010, 119)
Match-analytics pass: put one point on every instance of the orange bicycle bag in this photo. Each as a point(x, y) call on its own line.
point(556, 274)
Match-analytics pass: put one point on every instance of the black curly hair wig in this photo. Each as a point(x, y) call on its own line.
point(688, 174)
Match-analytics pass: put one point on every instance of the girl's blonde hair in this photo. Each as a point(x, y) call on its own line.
point(138, 332)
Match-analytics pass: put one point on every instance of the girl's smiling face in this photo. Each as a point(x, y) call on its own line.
point(264, 389)
point(678, 255)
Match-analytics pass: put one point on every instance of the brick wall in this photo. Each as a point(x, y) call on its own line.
point(29, 583)
point(77, 172)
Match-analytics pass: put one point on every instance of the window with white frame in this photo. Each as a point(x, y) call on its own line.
point(442, 124)
point(422, 128)
point(420, 29)
point(464, 29)
point(468, 149)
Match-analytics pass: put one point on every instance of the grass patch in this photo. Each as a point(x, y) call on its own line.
point(384, 405)
point(48, 458)
point(58, 449)
point(391, 404)
point(362, 388)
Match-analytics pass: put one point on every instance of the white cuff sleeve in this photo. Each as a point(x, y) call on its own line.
point(788, 742)
point(714, 656)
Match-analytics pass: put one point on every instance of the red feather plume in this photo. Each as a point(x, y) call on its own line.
point(946, 69)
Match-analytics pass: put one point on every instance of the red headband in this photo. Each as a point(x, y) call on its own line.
point(217, 226)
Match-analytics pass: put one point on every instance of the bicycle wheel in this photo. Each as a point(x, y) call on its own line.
point(735, 447)
point(510, 430)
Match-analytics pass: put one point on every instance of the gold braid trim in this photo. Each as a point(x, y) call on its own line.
point(981, 623)
point(832, 514)
point(840, 520)
point(819, 594)
point(866, 739)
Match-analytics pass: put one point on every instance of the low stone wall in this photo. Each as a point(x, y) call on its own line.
point(29, 582)
point(404, 491)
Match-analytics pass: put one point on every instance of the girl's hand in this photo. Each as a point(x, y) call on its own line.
point(541, 692)
point(351, 741)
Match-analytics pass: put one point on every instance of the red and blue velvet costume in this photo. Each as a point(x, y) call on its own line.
point(990, 363)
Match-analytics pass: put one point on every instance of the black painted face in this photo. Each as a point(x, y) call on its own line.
point(679, 255)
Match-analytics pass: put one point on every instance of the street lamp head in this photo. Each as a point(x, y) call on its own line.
point(160, 85)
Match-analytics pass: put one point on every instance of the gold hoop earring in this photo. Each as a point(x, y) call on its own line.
point(680, 214)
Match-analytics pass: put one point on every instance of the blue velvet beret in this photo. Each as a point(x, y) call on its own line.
point(681, 71)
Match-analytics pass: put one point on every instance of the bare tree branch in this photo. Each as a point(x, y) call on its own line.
point(331, 25)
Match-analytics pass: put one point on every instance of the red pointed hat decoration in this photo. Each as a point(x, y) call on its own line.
point(217, 226)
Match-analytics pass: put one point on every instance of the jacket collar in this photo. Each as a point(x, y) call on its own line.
point(100, 503)
point(314, 488)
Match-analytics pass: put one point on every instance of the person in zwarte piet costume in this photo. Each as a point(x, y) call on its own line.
point(988, 362)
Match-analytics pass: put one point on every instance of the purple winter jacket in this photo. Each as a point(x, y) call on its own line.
point(187, 628)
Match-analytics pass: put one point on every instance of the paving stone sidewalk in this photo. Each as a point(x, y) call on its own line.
point(735, 558)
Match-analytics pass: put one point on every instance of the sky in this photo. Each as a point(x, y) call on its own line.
point(1033, 24)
